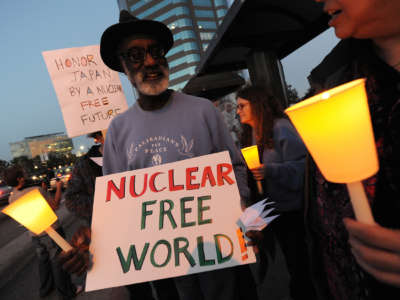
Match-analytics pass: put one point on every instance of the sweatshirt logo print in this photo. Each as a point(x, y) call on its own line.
point(186, 147)
point(157, 146)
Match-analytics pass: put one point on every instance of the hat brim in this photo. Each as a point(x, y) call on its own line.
point(115, 34)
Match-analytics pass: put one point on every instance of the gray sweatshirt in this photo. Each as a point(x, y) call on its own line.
point(185, 127)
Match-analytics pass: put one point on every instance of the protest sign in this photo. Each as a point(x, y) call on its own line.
point(89, 93)
point(165, 221)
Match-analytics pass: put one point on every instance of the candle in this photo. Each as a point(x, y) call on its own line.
point(336, 128)
point(32, 211)
point(252, 159)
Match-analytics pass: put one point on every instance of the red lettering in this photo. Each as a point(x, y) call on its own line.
point(84, 61)
point(132, 186)
point(190, 177)
point(207, 175)
point(105, 101)
point(90, 59)
point(120, 192)
point(172, 186)
point(68, 63)
point(84, 103)
point(96, 103)
point(152, 180)
point(221, 174)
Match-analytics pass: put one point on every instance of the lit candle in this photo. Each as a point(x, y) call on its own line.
point(252, 159)
point(32, 211)
point(336, 129)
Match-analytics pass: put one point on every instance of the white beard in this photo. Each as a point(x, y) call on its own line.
point(151, 88)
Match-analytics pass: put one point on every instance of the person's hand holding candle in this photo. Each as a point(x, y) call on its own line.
point(258, 172)
point(255, 239)
point(77, 261)
point(376, 249)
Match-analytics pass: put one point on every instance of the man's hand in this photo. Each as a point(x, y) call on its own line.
point(255, 239)
point(376, 249)
point(77, 260)
point(81, 238)
point(258, 173)
point(44, 186)
point(55, 202)
point(59, 184)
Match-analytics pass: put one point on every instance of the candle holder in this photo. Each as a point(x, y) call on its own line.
point(32, 211)
point(252, 159)
point(336, 128)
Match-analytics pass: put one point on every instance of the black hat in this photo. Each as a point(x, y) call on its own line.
point(130, 25)
point(94, 134)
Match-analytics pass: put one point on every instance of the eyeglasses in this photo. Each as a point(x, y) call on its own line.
point(241, 106)
point(137, 55)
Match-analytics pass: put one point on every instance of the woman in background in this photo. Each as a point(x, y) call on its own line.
point(282, 156)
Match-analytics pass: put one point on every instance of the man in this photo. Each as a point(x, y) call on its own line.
point(164, 126)
point(79, 194)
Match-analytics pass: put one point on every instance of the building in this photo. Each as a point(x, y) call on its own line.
point(193, 24)
point(41, 145)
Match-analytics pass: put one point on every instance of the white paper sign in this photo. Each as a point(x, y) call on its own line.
point(165, 221)
point(90, 94)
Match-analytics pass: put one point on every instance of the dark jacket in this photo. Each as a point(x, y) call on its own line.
point(79, 194)
point(336, 273)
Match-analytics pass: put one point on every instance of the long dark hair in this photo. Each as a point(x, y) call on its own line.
point(265, 109)
point(11, 175)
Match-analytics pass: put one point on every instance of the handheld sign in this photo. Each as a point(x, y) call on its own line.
point(32, 211)
point(252, 159)
point(90, 94)
point(165, 221)
point(336, 129)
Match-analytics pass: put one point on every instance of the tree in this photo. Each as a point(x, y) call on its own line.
point(292, 95)
point(3, 165)
point(60, 159)
point(25, 162)
point(309, 93)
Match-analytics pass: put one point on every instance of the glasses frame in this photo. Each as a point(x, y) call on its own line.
point(241, 106)
point(156, 51)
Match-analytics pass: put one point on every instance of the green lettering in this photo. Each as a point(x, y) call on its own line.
point(167, 259)
point(183, 250)
point(167, 212)
point(132, 255)
point(146, 212)
point(201, 209)
point(220, 258)
point(185, 211)
point(202, 257)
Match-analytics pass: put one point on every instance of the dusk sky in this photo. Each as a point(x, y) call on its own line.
point(29, 27)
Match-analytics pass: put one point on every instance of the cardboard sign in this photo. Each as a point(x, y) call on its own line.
point(166, 221)
point(90, 94)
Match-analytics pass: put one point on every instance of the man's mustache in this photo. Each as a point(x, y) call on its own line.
point(162, 70)
point(152, 69)
point(161, 67)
